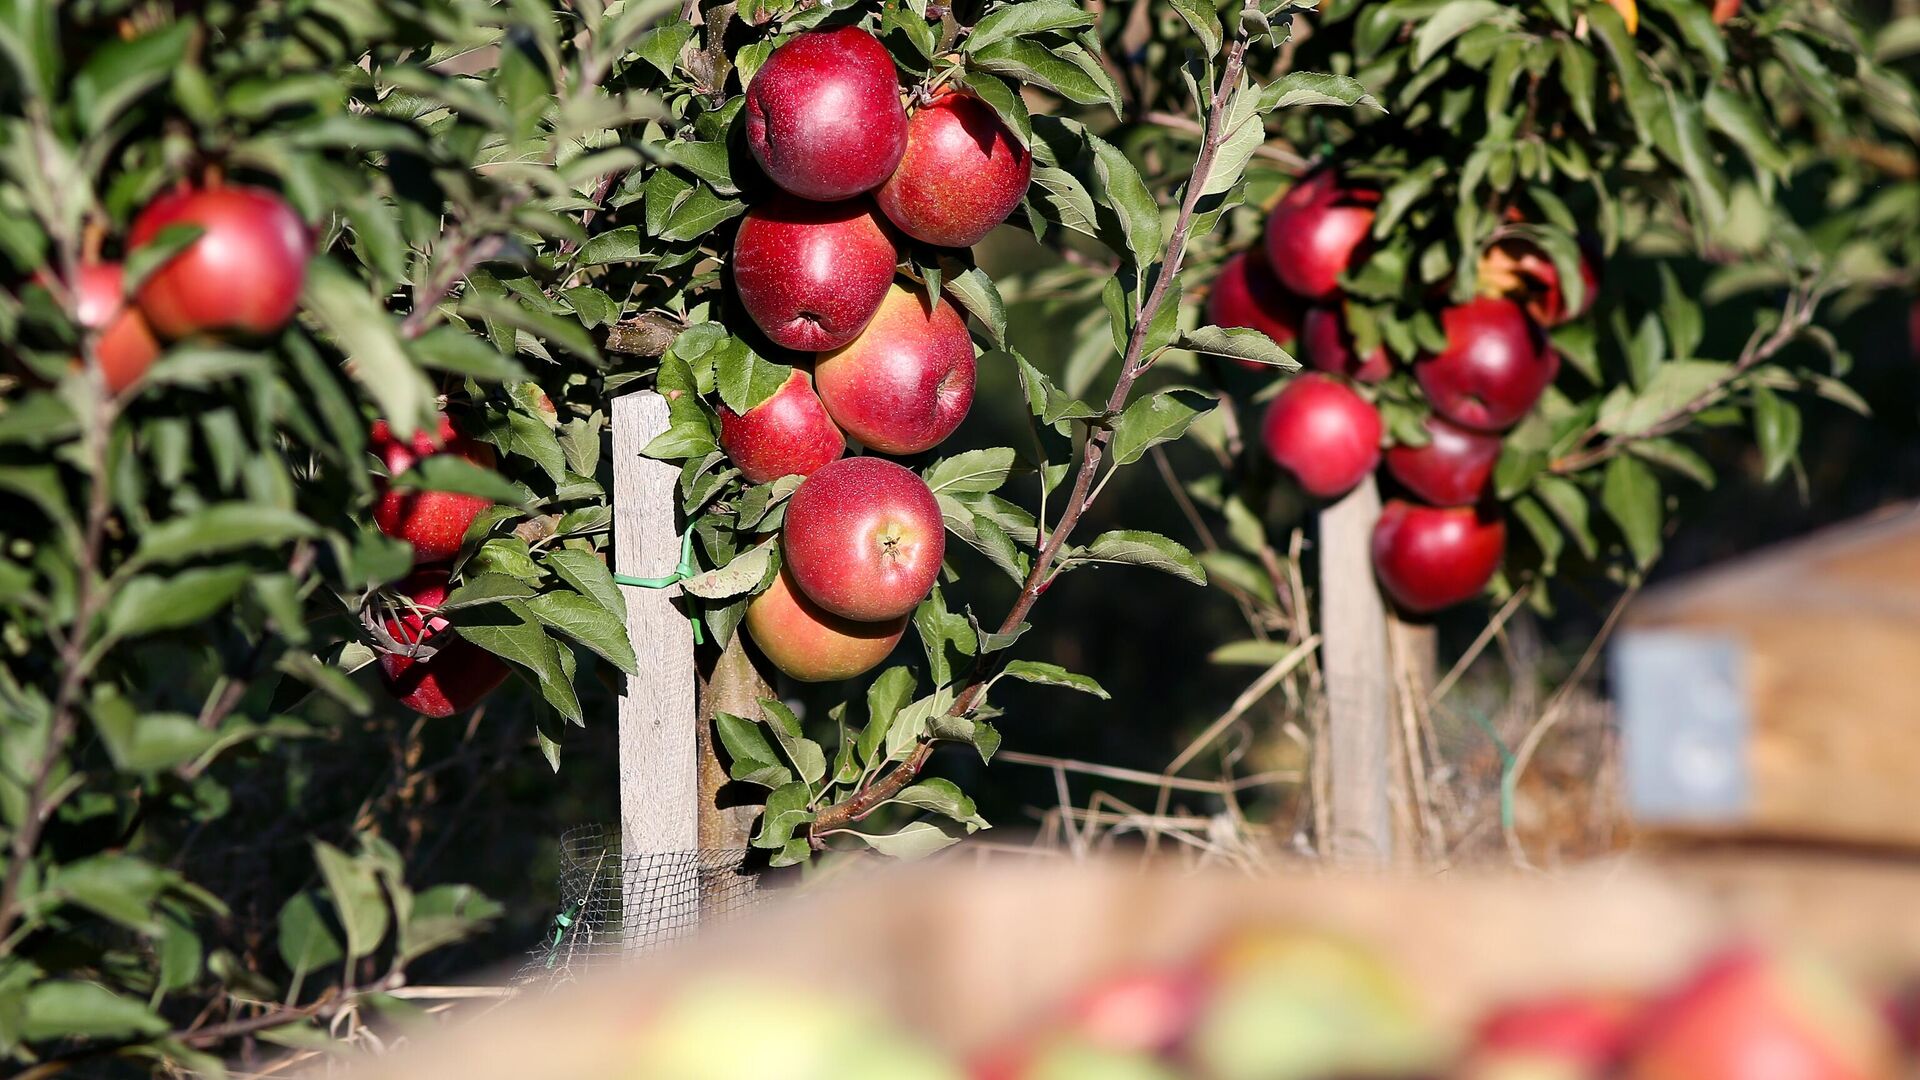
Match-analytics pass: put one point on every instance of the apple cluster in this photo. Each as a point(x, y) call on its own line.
point(892, 367)
point(1283, 1003)
point(1440, 540)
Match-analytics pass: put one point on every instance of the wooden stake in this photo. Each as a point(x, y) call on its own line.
point(1353, 656)
point(659, 772)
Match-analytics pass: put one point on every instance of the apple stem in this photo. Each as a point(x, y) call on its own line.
point(1134, 363)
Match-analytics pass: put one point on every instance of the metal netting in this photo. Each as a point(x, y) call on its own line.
point(615, 906)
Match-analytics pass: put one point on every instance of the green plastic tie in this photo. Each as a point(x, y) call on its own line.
point(685, 570)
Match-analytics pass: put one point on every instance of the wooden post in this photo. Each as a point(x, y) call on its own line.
point(659, 770)
point(1353, 656)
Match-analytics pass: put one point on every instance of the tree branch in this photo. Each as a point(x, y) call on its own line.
point(1133, 364)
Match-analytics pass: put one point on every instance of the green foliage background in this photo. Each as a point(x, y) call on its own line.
point(215, 827)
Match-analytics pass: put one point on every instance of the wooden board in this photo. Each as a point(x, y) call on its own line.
point(1789, 706)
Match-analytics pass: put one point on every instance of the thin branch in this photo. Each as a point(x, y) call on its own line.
point(1132, 365)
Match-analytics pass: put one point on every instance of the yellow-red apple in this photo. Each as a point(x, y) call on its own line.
point(962, 174)
point(906, 381)
point(812, 644)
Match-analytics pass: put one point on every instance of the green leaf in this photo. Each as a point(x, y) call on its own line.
point(743, 572)
point(1027, 17)
point(893, 689)
point(1578, 75)
point(1733, 115)
point(442, 915)
point(306, 942)
point(117, 887)
point(751, 759)
point(589, 623)
point(511, 632)
point(1569, 504)
point(1539, 525)
point(744, 379)
point(354, 888)
point(943, 797)
point(975, 293)
point(120, 71)
point(1204, 19)
point(453, 350)
point(589, 576)
point(699, 214)
point(807, 757)
point(1027, 61)
point(220, 528)
point(149, 604)
point(1674, 387)
point(62, 1009)
point(1631, 495)
point(1675, 456)
point(1453, 19)
point(1239, 343)
point(1137, 548)
point(1251, 653)
point(1004, 100)
point(1117, 184)
point(1776, 427)
point(1305, 88)
point(1148, 422)
point(915, 840)
point(786, 811)
point(451, 472)
point(972, 471)
point(1034, 671)
point(370, 338)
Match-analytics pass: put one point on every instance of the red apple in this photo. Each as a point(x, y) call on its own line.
point(963, 173)
point(906, 381)
point(789, 434)
point(1494, 367)
point(1150, 1011)
point(1452, 469)
point(824, 117)
point(1574, 1037)
point(812, 274)
point(1724, 10)
point(1428, 557)
point(1326, 345)
point(1246, 294)
point(1323, 433)
point(458, 674)
point(124, 344)
point(434, 522)
point(1519, 269)
point(1314, 231)
point(1748, 1015)
point(812, 644)
point(864, 538)
point(241, 275)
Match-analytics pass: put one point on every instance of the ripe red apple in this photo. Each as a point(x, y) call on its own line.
point(1574, 1037)
point(1314, 231)
point(1246, 294)
point(812, 644)
point(1452, 469)
point(432, 521)
point(812, 274)
point(1149, 1011)
point(124, 344)
point(1326, 345)
point(789, 434)
point(906, 381)
point(1323, 433)
point(1429, 557)
point(962, 174)
point(458, 674)
point(1519, 269)
point(1724, 10)
point(824, 117)
point(241, 275)
point(864, 538)
point(1495, 365)
point(1748, 1014)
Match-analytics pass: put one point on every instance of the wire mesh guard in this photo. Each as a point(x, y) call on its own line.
point(614, 906)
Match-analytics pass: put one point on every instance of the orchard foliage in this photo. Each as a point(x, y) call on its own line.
point(1722, 166)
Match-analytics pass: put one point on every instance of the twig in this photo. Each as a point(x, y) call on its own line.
point(1141, 776)
point(1487, 634)
point(1801, 305)
point(1248, 699)
point(1133, 364)
point(1549, 716)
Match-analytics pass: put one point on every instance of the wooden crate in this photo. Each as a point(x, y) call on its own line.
point(1779, 697)
point(966, 954)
